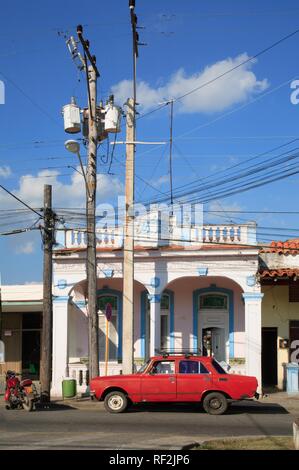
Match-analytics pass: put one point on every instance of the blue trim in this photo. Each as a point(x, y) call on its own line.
point(79, 303)
point(155, 282)
point(117, 294)
point(143, 304)
point(171, 317)
point(61, 284)
point(60, 298)
point(250, 281)
point(252, 296)
point(108, 273)
point(230, 295)
point(202, 271)
point(154, 298)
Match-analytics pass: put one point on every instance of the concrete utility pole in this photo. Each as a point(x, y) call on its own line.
point(46, 340)
point(91, 260)
point(128, 283)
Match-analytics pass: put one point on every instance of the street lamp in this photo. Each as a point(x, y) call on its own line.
point(73, 146)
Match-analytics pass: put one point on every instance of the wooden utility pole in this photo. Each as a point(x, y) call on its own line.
point(128, 283)
point(46, 340)
point(91, 261)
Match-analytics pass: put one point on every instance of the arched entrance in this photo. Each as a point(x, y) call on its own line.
point(213, 318)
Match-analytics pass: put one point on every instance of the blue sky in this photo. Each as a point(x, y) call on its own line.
point(247, 113)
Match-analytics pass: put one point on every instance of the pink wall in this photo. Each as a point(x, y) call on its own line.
point(183, 309)
point(183, 289)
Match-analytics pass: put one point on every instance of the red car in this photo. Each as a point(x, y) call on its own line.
point(175, 378)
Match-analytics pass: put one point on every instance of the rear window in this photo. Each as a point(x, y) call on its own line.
point(218, 367)
point(192, 367)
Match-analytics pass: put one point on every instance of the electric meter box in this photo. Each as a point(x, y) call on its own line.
point(71, 117)
point(112, 118)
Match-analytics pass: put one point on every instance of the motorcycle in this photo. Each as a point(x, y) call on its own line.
point(19, 394)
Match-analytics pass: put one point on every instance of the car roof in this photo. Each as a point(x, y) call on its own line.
point(182, 356)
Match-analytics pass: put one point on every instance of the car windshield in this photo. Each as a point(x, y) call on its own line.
point(142, 368)
point(218, 367)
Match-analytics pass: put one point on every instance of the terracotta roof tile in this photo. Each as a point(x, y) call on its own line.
point(289, 247)
point(284, 272)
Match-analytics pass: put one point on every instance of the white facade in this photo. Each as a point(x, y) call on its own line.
point(184, 292)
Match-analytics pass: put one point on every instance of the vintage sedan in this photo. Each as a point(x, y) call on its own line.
point(175, 378)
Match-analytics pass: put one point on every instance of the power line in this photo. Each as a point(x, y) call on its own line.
point(209, 82)
point(20, 200)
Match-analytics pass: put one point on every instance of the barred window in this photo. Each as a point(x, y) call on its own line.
point(213, 301)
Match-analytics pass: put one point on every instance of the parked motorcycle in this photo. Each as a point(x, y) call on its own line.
point(19, 394)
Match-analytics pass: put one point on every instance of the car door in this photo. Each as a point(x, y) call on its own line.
point(193, 379)
point(159, 384)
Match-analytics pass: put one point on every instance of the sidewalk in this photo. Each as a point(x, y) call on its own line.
point(289, 402)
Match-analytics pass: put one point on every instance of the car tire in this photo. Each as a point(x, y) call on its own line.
point(215, 403)
point(116, 402)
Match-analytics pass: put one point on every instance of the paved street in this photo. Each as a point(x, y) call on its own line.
point(146, 427)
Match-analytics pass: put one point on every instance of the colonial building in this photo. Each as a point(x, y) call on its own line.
point(207, 289)
point(186, 293)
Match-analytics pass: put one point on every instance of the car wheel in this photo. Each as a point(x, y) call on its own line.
point(116, 402)
point(215, 403)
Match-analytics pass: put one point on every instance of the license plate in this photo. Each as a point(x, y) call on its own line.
point(28, 389)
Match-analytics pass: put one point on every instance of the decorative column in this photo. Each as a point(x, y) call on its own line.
point(60, 344)
point(253, 335)
point(155, 323)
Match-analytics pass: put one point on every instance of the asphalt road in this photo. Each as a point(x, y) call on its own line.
point(143, 427)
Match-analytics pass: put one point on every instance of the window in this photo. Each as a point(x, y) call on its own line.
point(163, 367)
point(165, 302)
point(192, 367)
point(213, 301)
point(294, 291)
point(112, 326)
point(218, 367)
point(103, 300)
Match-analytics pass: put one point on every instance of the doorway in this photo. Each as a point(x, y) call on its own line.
point(213, 342)
point(269, 356)
point(31, 332)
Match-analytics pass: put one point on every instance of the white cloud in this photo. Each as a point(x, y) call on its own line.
point(30, 189)
point(161, 181)
point(26, 248)
point(5, 171)
point(235, 87)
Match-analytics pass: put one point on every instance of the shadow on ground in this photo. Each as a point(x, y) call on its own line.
point(234, 408)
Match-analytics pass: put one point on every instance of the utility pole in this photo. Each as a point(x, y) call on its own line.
point(170, 153)
point(46, 340)
point(92, 74)
point(128, 271)
point(91, 260)
point(128, 282)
